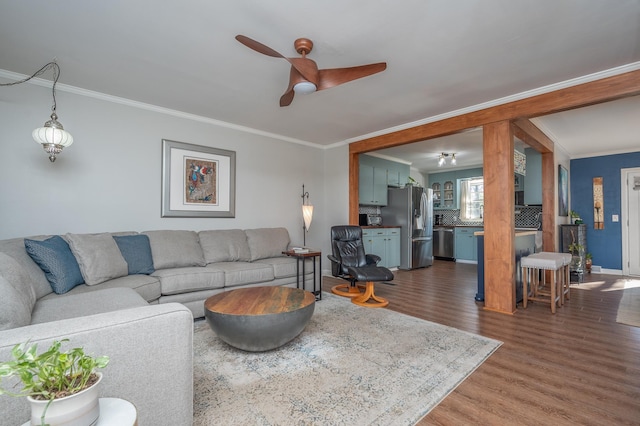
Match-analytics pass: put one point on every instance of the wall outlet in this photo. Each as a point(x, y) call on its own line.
point(614, 218)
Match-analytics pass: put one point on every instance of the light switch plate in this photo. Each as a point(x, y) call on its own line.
point(614, 218)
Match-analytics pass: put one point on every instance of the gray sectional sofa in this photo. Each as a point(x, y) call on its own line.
point(131, 296)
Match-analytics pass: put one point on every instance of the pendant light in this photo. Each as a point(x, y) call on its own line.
point(52, 135)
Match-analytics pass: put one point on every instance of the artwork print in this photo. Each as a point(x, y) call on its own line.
point(197, 180)
point(563, 191)
point(201, 180)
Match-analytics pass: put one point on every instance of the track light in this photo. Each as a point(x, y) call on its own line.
point(442, 159)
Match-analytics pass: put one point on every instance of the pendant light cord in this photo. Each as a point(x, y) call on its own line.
point(56, 75)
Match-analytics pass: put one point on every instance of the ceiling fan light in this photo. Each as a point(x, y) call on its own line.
point(453, 159)
point(441, 160)
point(304, 88)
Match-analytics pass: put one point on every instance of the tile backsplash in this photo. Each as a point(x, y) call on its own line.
point(526, 216)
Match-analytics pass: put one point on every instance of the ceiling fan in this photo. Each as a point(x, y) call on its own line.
point(305, 77)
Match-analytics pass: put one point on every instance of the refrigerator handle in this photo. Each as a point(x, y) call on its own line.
point(424, 207)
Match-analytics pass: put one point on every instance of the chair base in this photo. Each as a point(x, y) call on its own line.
point(368, 299)
point(351, 291)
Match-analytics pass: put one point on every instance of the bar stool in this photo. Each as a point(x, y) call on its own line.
point(559, 285)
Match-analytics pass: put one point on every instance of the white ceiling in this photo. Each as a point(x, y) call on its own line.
point(443, 58)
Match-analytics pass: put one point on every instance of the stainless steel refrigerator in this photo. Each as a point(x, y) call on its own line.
point(411, 208)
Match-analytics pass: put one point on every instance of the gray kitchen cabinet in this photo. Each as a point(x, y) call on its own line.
point(383, 242)
point(466, 247)
point(372, 187)
point(533, 179)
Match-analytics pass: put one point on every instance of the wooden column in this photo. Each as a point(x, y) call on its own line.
point(499, 219)
point(549, 191)
point(354, 177)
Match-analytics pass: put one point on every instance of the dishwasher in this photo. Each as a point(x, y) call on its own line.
point(443, 242)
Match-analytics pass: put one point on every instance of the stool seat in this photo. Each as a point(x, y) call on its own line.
point(546, 260)
point(559, 285)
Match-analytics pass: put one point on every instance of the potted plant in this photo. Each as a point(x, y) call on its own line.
point(62, 387)
point(588, 262)
point(575, 217)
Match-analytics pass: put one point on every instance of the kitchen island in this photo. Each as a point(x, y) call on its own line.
point(524, 245)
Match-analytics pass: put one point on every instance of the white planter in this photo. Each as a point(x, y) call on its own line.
point(80, 409)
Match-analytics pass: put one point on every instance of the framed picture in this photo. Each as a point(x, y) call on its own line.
point(563, 191)
point(197, 181)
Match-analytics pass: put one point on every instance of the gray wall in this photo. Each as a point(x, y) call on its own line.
point(110, 178)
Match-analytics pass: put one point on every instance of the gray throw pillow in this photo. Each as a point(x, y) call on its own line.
point(98, 256)
point(18, 297)
point(225, 245)
point(175, 249)
point(267, 242)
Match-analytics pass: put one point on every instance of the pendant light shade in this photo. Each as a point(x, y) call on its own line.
point(52, 137)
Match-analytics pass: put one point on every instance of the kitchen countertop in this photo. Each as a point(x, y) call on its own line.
point(379, 226)
point(522, 233)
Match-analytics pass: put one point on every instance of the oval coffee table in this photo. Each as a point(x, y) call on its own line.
point(259, 318)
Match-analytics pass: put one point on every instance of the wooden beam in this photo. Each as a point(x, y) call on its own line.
point(603, 90)
point(499, 219)
point(529, 133)
point(354, 177)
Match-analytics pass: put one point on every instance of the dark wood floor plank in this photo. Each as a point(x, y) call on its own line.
point(575, 367)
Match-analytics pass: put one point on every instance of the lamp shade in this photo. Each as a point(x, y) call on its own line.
point(307, 215)
point(304, 88)
point(52, 135)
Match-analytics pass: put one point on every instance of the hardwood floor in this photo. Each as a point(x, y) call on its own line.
point(575, 367)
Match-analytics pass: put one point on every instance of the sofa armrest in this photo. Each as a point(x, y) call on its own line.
point(151, 359)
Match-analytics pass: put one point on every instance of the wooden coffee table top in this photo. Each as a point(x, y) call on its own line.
point(259, 301)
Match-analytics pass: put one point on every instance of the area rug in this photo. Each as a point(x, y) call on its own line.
point(629, 307)
point(350, 366)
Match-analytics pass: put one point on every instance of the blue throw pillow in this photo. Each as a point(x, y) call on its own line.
point(136, 250)
point(56, 260)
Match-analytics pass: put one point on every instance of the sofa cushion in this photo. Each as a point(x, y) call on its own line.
point(286, 267)
point(83, 304)
point(18, 297)
point(192, 278)
point(98, 256)
point(175, 249)
point(145, 285)
point(14, 247)
point(136, 251)
point(226, 245)
point(267, 242)
point(240, 273)
point(56, 260)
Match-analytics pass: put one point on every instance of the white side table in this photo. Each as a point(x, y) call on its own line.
point(114, 412)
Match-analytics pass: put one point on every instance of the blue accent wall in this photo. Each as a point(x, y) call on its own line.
point(604, 244)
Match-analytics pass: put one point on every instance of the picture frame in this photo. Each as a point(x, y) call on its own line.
point(563, 191)
point(197, 181)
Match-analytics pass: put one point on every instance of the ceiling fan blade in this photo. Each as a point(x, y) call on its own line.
point(306, 67)
point(258, 47)
point(332, 77)
point(287, 98)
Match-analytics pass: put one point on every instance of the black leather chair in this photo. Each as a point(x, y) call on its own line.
point(349, 262)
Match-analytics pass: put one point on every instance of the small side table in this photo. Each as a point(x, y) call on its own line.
point(114, 412)
point(316, 256)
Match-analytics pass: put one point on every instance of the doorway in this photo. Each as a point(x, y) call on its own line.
point(630, 188)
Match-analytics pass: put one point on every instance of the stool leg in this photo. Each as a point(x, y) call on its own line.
point(525, 287)
point(553, 293)
point(567, 281)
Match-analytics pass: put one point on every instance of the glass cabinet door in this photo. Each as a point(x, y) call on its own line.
point(448, 195)
point(436, 195)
